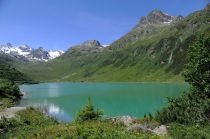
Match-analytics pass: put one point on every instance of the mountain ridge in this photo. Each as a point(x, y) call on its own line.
point(147, 25)
point(25, 53)
point(159, 56)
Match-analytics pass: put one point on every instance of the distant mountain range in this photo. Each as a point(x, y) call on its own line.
point(154, 50)
point(25, 53)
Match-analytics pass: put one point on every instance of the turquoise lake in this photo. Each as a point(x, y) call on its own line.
point(63, 100)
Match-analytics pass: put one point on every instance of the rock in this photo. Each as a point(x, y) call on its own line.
point(91, 43)
point(160, 130)
point(157, 16)
point(162, 62)
point(126, 120)
point(139, 128)
point(1, 103)
point(148, 25)
point(89, 47)
point(23, 93)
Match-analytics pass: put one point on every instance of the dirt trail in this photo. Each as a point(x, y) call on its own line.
point(10, 112)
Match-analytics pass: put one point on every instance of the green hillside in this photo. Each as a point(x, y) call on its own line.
point(156, 56)
point(8, 72)
point(10, 77)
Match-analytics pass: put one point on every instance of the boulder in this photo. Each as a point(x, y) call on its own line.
point(126, 120)
point(1, 103)
point(139, 128)
point(160, 130)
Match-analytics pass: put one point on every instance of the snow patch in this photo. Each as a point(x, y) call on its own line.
point(27, 52)
point(168, 22)
point(54, 54)
point(105, 45)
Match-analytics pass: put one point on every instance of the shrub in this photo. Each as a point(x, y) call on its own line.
point(179, 131)
point(197, 70)
point(9, 89)
point(88, 113)
point(188, 108)
point(192, 107)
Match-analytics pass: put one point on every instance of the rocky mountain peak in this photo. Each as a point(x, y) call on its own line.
point(178, 18)
point(41, 49)
point(156, 16)
point(7, 45)
point(91, 44)
point(24, 47)
point(156, 12)
point(150, 24)
point(24, 52)
point(87, 47)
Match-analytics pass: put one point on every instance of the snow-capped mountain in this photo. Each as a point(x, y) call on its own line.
point(26, 53)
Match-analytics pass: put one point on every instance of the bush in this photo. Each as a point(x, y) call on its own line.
point(88, 113)
point(31, 123)
point(178, 131)
point(192, 107)
point(9, 89)
point(186, 109)
point(197, 70)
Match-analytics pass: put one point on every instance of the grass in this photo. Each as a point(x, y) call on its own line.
point(133, 63)
point(179, 131)
point(31, 123)
point(7, 102)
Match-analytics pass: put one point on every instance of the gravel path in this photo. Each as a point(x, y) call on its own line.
point(10, 112)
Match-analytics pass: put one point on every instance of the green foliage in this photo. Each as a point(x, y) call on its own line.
point(7, 102)
point(148, 121)
point(9, 78)
point(92, 130)
point(31, 123)
point(25, 122)
point(192, 107)
point(179, 131)
point(9, 89)
point(88, 113)
point(150, 116)
point(197, 71)
point(12, 74)
point(187, 109)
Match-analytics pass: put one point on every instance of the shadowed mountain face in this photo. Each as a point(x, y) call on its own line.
point(154, 50)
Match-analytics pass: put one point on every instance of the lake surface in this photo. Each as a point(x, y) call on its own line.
point(63, 100)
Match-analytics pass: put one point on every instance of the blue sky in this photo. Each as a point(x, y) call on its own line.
point(59, 24)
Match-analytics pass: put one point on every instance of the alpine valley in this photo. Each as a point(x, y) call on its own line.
point(154, 50)
point(152, 83)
